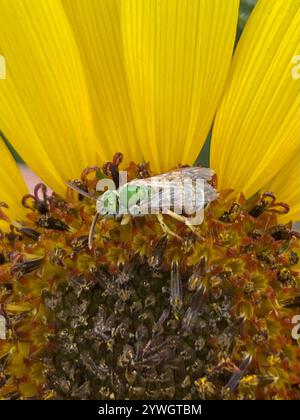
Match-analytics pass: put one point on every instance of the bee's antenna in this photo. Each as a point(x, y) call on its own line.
point(92, 230)
point(96, 217)
point(80, 191)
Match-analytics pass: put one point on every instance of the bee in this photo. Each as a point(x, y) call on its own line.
point(160, 195)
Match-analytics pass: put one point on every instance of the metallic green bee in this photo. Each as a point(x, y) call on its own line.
point(181, 194)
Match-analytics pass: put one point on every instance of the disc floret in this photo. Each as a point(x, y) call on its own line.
point(143, 314)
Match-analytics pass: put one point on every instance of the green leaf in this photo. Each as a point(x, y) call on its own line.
point(246, 7)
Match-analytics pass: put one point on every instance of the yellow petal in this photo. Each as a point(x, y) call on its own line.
point(257, 125)
point(44, 103)
point(286, 186)
point(12, 185)
point(177, 55)
point(96, 26)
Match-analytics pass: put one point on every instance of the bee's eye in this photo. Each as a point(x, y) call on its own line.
point(107, 203)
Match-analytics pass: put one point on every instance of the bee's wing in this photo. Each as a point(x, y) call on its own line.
point(195, 173)
point(192, 172)
point(210, 193)
point(159, 200)
point(177, 190)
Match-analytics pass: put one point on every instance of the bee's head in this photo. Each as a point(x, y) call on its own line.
point(112, 203)
point(108, 204)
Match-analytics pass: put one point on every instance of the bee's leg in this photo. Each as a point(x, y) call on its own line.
point(165, 228)
point(182, 219)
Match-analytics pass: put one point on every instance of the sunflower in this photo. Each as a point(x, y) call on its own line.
point(203, 314)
